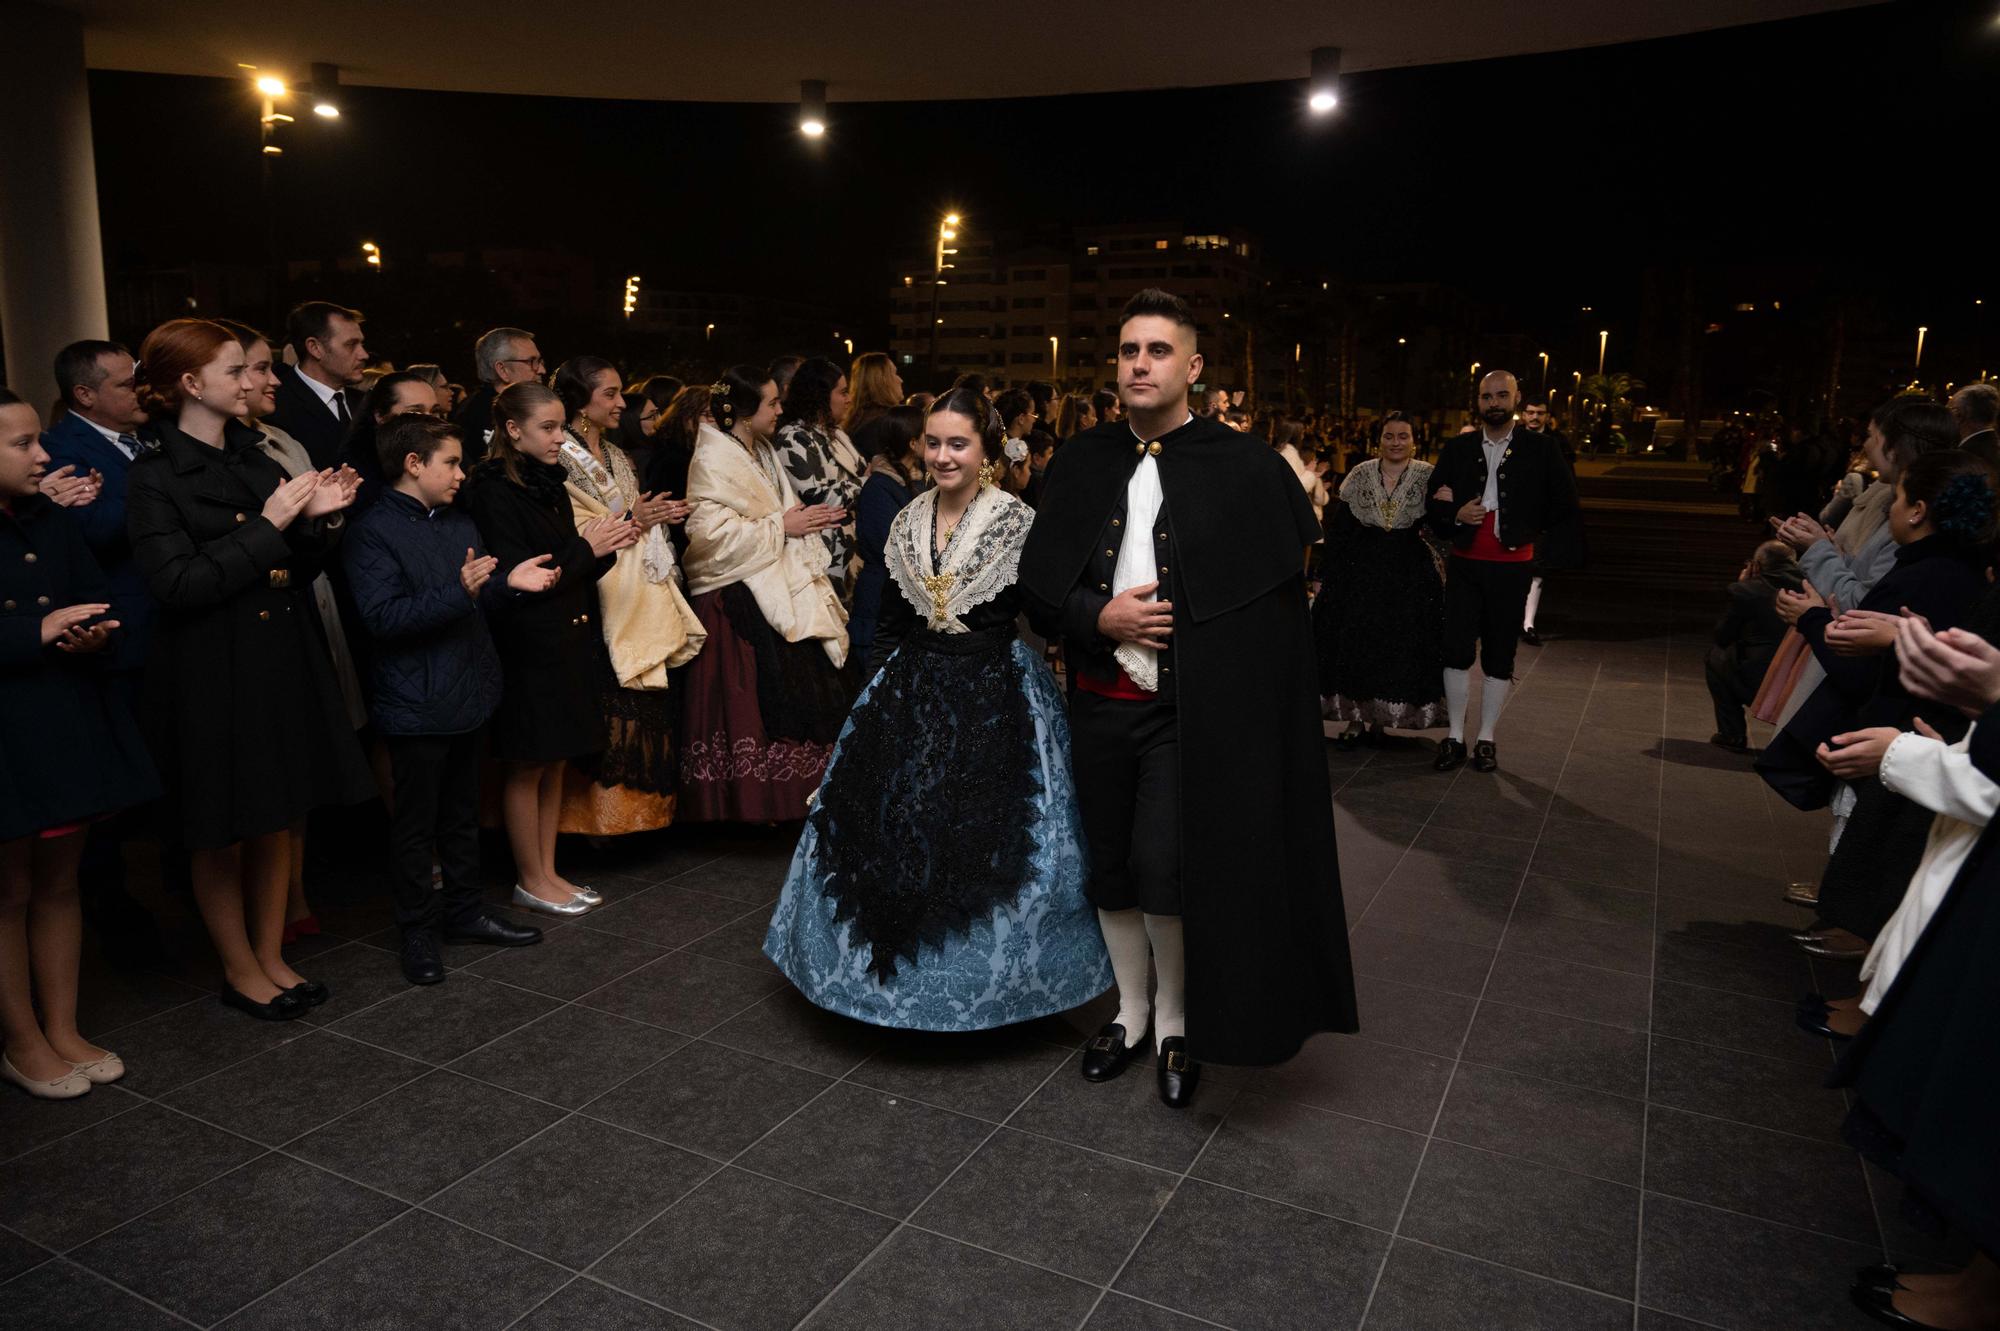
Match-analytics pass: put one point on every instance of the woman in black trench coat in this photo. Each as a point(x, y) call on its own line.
point(548, 640)
point(69, 754)
point(241, 705)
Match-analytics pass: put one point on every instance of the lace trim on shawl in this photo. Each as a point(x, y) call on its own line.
point(982, 561)
point(1390, 510)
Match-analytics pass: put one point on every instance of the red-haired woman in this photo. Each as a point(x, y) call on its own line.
point(241, 704)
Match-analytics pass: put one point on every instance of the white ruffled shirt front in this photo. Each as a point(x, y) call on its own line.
point(1138, 564)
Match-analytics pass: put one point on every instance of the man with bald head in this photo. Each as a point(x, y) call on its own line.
point(1493, 494)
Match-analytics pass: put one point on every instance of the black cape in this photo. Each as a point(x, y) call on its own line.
point(1266, 935)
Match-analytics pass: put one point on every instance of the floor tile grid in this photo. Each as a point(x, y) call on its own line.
point(1444, 1097)
point(1652, 987)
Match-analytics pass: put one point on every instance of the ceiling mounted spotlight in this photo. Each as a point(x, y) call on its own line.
point(812, 107)
point(1323, 88)
point(326, 90)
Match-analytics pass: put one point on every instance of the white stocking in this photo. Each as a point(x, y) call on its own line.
point(1534, 604)
point(1493, 698)
point(1125, 939)
point(1170, 973)
point(1457, 692)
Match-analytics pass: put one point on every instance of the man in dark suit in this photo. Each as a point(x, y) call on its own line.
point(98, 432)
point(1747, 638)
point(1493, 494)
point(503, 356)
point(318, 399)
point(1976, 408)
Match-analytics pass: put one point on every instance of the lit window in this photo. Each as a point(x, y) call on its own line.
point(1090, 250)
point(1159, 244)
point(1746, 307)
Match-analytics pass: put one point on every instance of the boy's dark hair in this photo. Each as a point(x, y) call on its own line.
point(1156, 301)
point(416, 432)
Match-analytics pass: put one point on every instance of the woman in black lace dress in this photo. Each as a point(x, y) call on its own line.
point(1379, 619)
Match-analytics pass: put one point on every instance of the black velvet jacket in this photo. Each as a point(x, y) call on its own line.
point(1537, 489)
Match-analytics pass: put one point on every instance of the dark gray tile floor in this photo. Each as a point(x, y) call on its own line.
point(1577, 1100)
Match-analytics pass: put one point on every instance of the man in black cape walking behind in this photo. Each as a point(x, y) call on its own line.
point(1168, 550)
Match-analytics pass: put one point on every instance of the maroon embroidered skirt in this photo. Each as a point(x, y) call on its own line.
point(761, 716)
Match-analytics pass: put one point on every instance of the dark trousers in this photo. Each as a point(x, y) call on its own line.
point(1484, 600)
point(1127, 759)
point(1732, 684)
point(437, 805)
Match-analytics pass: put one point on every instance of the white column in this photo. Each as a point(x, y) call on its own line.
point(51, 253)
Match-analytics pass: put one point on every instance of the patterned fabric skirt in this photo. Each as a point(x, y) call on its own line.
point(760, 717)
point(939, 883)
point(1378, 629)
point(629, 785)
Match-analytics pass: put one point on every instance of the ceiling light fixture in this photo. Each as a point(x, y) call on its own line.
point(812, 107)
point(1323, 89)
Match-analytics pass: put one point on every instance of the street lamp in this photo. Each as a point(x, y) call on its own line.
point(325, 83)
point(709, 333)
point(1603, 339)
point(1323, 89)
point(631, 294)
point(812, 107)
point(1055, 358)
point(947, 231)
point(1545, 372)
point(1920, 348)
point(371, 254)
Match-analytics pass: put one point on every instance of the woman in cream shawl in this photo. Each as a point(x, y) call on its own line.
point(647, 627)
point(766, 698)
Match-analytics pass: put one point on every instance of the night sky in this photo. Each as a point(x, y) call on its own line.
point(1850, 141)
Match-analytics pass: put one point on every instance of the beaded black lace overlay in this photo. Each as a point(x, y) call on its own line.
point(926, 822)
point(801, 695)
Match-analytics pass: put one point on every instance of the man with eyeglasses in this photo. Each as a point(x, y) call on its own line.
point(504, 356)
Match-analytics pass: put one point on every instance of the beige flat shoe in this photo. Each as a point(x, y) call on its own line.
point(102, 1071)
point(62, 1088)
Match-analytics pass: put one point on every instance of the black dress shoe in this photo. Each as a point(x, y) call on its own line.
point(421, 962)
point(1813, 1003)
point(1484, 758)
point(1178, 1073)
point(492, 930)
point(1532, 638)
point(1834, 952)
point(310, 992)
point(285, 1007)
point(1722, 741)
point(1107, 1053)
point(1816, 1024)
point(1451, 755)
point(1879, 1304)
point(1885, 1276)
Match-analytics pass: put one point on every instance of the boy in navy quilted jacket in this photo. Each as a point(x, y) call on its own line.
point(421, 579)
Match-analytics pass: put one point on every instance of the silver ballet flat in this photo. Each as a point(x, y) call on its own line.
point(527, 900)
point(589, 896)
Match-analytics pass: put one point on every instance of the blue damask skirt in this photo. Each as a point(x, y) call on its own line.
point(938, 884)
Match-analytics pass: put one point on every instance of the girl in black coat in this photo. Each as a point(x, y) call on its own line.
point(244, 714)
point(69, 754)
point(548, 707)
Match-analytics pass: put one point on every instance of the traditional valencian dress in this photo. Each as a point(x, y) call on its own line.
point(1379, 620)
point(765, 698)
point(939, 882)
point(645, 629)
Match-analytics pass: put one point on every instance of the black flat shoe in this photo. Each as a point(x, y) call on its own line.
point(1885, 1276)
point(421, 962)
point(1879, 1304)
point(1833, 953)
point(1813, 1003)
point(1722, 741)
point(493, 931)
point(1107, 1053)
point(1532, 638)
point(1178, 1073)
point(287, 1006)
point(1451, 755)
point(1484, 758)
point(1813, 1024)
point(310, 992)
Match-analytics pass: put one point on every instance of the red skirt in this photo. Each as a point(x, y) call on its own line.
point(733, 767)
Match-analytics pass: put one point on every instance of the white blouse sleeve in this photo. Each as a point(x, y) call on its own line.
point(1940, 777)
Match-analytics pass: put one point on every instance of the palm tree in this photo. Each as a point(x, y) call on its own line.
point(1612, 392)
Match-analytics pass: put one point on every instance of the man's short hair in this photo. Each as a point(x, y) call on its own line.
point(1772, 556)
point(495, 345)
point(416, 432)
point(314, 319)
point(1161, 303)
point(1977, 404)
point(81, 365)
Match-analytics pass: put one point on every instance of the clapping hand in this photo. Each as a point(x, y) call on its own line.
point(472, 574)
point(655, 509)
point(66, 489)
point(289, 500)
point(1793, 604)
point(58, 625)
point(534, 575)
point(1862, 632)
point(610, 534)
point(1799, 531)
point(806, 519)
point(332, 491)
point(1858, 753)
point(1954, 667)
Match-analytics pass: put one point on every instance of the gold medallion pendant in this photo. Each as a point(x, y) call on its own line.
point(939, 585)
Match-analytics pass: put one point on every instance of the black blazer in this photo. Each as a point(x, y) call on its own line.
point(305, 418)
point(1537, 489)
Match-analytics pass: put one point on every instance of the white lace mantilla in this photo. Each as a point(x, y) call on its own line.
point(981, 562)
point(1391, 509)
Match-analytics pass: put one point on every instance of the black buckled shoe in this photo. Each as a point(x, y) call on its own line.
point(1178, 1073)
point(422, 963)
point(1451, 755)
point(493, 931)
point(310, 992)
point(1107, 1053)
point(1484, 757)
point(287, 1006)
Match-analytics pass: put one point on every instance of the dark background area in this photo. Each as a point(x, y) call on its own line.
point(1838, 156)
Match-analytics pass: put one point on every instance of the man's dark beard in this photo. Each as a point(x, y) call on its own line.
point(1496, 416)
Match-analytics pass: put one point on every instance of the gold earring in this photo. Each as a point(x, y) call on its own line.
point(987, 473)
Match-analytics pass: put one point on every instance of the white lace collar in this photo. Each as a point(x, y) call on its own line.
point(980, 563)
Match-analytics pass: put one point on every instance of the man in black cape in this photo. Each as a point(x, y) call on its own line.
point(1168, 549)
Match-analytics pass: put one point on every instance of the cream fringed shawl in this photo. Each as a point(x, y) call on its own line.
point(648, 626)
point(736, 533)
